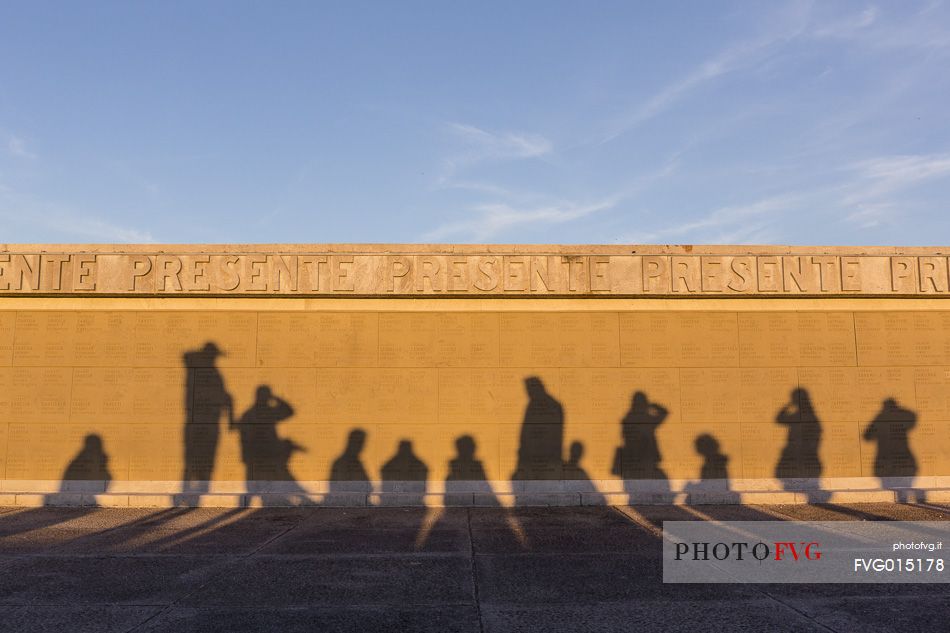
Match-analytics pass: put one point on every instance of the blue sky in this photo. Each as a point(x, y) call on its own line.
point(508, 122)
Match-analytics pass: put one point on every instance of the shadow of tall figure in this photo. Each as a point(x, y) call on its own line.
point(206, 400)
point(889, 430)
point(406, 475)
point(265, 454)
point(347, 474)
point(639, 457)
point(799, 458)
point(540, 448)
point(574, 472)
point(91, 464)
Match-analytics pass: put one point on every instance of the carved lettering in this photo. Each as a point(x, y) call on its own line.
point(600, 274)
point(284, 267)
point(851, 274)
point(514, 273)
point(795, 276)
point(84, 272)
point(933, 274)
point(314, 265)
point(458, 274)
point(903, 273)
point(169, 267)
point(26, 271)
point(4, 277)
point(340, 273)
point(288, 273)
point(540, 274)
point(656, 274)
point(743, 274)
point(255, 277)
point(139, 266)
point(194, 271)
point(399, 268)
point(228, 277)
point(769, 272)
point(686, 274)
point(488, 275)
point(829, 278)
point(575, 268)
point(428, 269)
point(53, 266)
point(712, 274)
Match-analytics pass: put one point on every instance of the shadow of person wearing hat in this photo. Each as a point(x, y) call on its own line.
point(206, 401)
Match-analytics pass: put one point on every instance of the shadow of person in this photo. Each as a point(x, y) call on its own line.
point(265, 454)
point(893, 458)
point(541, 443)
point(348, 478)
point(206, 400)
point(713, 485)
point(404, 476)
point(580, 480)
point(639, 457)
point(90, 466)
point(467, 482)
point(799, 458)
point(467, 487)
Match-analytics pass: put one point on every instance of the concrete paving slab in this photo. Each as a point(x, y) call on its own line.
point(865, 512)
point(753, 616)
point(42, 580)
point(93, 619)
point(577, 579)
point(349, 569)
point(384, 518)
point(429, 580)
point(575, 518)
point(621, 539)
point(897, 614)
point(446, 619)
point(329, 540)
point(18, 520)
point(802, 595)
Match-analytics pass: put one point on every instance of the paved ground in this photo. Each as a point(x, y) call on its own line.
point(288, 570)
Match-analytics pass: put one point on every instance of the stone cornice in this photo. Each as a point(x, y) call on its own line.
point(439, 270)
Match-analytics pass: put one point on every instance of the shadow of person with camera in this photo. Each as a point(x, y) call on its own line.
point(265, 454)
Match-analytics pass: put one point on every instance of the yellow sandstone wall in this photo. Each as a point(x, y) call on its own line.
point(631, 372)
point(430, 371)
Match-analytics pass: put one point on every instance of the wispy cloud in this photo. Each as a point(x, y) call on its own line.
point(488, 220)
point(734, 57)
point(17, 147)
point(737, 224)
point(795, 22)
point(866, 194)
point(508, 209)
point(474, 145)
point(30, 215)
point(863, 198)
point(481, 144)
point(920, 30)
point(887, 174)
point(847, 26)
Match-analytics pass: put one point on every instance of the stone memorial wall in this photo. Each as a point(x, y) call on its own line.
point(437, 375)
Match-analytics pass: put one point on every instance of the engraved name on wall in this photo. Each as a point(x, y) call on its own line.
point(496, 274)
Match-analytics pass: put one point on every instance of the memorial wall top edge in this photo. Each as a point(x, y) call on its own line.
point(477, 249)
point(451, 270)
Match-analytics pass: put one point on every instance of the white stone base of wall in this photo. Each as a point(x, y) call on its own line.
point(165, 494)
